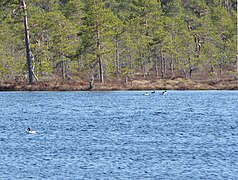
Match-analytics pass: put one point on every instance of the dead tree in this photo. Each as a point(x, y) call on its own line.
point(31, 74)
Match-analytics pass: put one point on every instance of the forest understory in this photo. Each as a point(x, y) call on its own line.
point(137, 84)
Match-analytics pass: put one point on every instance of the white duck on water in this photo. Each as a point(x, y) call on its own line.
point(31, 131)
point(164, 92)
point(146, 94)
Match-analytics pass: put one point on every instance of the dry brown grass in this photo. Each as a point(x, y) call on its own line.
point(158, 84)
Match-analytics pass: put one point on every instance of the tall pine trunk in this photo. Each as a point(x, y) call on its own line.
point(99, 59)
point(162, 61)
point(172, 66)
point(237, 66)
point(156, 60)
point(117, 55)
point(27, 44)
point(98, 55)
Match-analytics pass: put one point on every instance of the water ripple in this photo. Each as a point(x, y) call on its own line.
point(119, 135)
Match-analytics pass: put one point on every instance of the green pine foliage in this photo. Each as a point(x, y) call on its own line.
point(107, 39)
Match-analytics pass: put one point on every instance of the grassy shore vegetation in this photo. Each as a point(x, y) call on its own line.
point(119, 44)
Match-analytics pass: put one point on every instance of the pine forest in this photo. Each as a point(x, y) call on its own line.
point(117, 40)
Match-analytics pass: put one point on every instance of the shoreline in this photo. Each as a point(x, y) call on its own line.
point(177, 84)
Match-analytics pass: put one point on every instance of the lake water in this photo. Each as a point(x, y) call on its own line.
point(119, 135)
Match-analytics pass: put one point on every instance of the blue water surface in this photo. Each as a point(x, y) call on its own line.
point(119, 135)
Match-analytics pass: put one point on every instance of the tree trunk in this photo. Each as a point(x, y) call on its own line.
point(91, 83)
point(237, 66)
point(172, 67)
point(99, 56)
point(225, 3)
point(185, 73)
point(197, 44)
point(190, 66)
point(156, 61)
point(143, 64)
point(100, 69)
point(63, 70)
point(27, 43)
point(220, 70)
point(162, 62)
point(164, 66)
point(117, 55)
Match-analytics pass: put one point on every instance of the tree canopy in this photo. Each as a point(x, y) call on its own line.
point(108, 39)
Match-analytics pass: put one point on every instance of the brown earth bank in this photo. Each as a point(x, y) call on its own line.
point(160, 84)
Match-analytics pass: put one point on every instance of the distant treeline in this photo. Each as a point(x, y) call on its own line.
point(107, 39)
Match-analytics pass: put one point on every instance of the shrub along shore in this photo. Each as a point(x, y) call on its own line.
point(161, 84)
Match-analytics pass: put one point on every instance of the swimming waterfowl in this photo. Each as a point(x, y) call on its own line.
point(164, 92)
point(146, 94)
point(31, 131)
